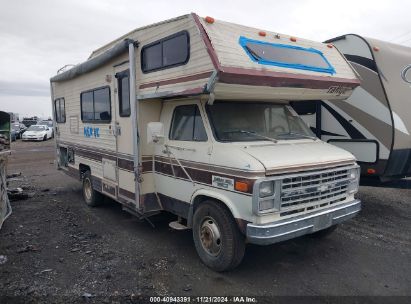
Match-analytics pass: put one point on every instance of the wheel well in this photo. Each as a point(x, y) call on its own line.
point(200, 199)
point(83, 169)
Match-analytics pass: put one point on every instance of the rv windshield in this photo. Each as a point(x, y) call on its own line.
point(240, 121)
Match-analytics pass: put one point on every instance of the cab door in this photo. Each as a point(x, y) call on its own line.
point(182, 162)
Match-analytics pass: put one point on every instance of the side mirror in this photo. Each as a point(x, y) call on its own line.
point(155, 133)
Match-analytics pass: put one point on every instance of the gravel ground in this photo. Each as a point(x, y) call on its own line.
point(53, 248)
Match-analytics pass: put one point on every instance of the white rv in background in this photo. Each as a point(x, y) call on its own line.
point(192, 116)
point(374, 123)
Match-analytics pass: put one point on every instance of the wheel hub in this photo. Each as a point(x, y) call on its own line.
point(210, 236)
point(87, 189)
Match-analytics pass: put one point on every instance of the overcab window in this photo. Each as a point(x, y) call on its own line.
point(286, 56)
point(95, 105)
point(166, 53)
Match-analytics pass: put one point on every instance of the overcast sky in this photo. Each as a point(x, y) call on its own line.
point(38, 37)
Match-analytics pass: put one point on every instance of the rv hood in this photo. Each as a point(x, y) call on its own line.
point(286, 156)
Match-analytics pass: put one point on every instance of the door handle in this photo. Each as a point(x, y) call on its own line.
point(181, 148)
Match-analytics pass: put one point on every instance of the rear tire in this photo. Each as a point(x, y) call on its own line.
point(91, 197)
point(217, 239)
point(323, 233)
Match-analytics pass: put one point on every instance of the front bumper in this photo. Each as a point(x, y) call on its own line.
point(304, 224)
point(32, 138)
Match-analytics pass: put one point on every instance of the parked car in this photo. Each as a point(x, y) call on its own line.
point(18, 129)
point(48, 123)
point(37, 132)
point(14, 133)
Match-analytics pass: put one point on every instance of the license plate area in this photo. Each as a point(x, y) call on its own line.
point(322, 222)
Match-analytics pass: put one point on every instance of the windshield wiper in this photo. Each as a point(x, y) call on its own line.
point(299, 134)
point(252, 133)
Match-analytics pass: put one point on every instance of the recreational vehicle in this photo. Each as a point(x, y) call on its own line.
point(192, 116)
point(374, 123)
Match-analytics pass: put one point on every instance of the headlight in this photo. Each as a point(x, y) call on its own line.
point(266, 205)
point(266, 198)
point(354, 175)
point(266, 189)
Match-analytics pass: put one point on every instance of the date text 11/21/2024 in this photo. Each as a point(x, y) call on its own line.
point(203, 299)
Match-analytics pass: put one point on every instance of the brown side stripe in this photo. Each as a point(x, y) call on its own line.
point(200, 176)
point(207, 42)
point(198, 172)
point(277, 79)
point(87, 154)
point(126, 193)
point(216, 169)
point(176, 80)
point(125, 164)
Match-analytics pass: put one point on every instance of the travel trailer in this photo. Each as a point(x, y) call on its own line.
point(192, 116)
point(374, 123)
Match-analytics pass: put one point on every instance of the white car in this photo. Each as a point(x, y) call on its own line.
point(38, 132)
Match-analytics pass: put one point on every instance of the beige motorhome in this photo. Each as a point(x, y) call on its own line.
point(192, 116)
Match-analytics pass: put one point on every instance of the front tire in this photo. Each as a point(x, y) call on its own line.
point(45, 137)
point(92, 198)
point(217, 239)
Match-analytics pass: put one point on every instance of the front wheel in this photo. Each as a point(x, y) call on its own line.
point(45, 137)
point(217, 239)
point(91, 197)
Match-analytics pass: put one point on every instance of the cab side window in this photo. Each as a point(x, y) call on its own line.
point(187, 124)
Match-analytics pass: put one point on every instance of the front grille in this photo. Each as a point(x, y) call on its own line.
point(313, 190)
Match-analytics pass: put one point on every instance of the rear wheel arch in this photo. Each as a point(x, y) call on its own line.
point(83, 169)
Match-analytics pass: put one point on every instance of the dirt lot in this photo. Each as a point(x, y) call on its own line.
point(56, 249)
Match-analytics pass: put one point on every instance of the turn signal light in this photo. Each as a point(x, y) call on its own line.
point(241, 186)
point(209, 19)
point(371, 171)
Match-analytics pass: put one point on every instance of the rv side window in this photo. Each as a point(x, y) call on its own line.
point(60, 110)
point(95, 105)
point(124, 93)
point(187, 124)
point(168, 52)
